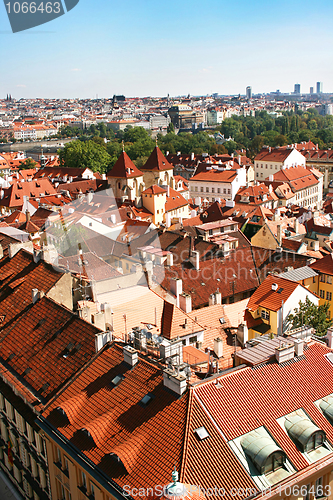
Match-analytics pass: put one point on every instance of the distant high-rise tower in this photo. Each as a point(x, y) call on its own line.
point(311, 90)
point(249, 92)
point(319, 87)
point(297, 88)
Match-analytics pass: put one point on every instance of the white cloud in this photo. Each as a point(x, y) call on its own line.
point(21, 86)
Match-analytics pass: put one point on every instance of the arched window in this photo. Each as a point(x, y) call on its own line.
point(304, 433)
point(275, 461)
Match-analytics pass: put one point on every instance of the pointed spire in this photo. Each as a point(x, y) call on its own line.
point(124, 167)
point(156, 140)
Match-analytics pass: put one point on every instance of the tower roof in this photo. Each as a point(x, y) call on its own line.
point(124, 168)
point(157, 161)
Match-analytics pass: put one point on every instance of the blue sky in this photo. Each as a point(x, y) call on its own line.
point(153, 48)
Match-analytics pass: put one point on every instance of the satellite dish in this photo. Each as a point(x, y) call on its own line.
point(155, 337)
point(149, 335)
point(159, 340)
point(144, 332)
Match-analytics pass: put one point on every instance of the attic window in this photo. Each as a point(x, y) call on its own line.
point(201, 433)
point(222, 321)
point(44, 387)
point(87, 433)
point(40, 322)
point(62, 411)
point(146, 399)
point(280, 290)
point(117, 379)
point(115, 458)
point(26, 371)
point(11, 356)
point(68, 350)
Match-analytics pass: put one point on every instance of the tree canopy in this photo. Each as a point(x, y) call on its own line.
point(99, 146)
point(309, 314)
point(89, 154)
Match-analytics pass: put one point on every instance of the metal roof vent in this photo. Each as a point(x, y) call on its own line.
point(201, 433)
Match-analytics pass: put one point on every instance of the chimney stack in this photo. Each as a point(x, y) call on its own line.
point(174, 381)
point(299, 345)
point(218, 347)
point(130, 355)
point(185, 302)
point(176, 287)
point(285, 353)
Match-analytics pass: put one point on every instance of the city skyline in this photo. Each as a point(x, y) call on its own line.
point(102, 49)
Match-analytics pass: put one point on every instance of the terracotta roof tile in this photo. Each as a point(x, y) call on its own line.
point(157, 161)
point(271, 299)
point(136, 434)
point(269, 392)
point(124, 168)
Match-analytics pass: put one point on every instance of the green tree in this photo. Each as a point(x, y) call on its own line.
point(89, 154)
point(171, 128)
point(309, 314)
point(28, 163)
point(134, 134)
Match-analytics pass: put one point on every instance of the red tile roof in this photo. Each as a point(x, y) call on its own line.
point(324, 265)
point(214, 275)
point(124, 168)
point(175, 200)
point(148, 440)
point(211, 461)
point(39, 354)
point(13, 196)
point(155, 189)
point(176, 323)
point(273, 154)
point(215, 175)
point(18, 276)
point(264, 394)
point(157, 161)
point(270, 299)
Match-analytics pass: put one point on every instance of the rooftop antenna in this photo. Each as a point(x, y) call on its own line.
point(123, 146)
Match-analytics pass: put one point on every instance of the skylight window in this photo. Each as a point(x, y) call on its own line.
point(222, 321)
point(45, 387)
point(201, 433)
point(117, 379)
point(146, 399)
point(280, 290)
